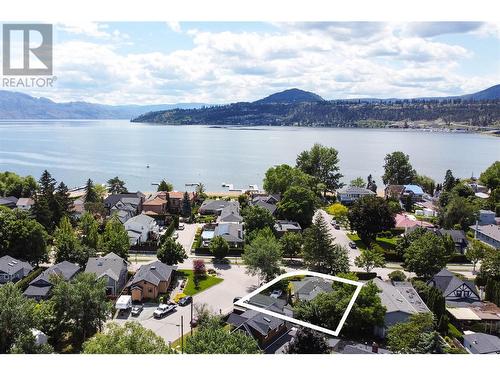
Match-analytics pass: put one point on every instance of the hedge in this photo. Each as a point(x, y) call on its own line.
point(172, 226)
point(454, 332)
point(366, 275)
point(23, 283)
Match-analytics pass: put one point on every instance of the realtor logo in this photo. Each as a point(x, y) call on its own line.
point(27, 50)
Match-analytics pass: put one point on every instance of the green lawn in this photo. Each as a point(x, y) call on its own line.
point(384, 243)
point(190, 288)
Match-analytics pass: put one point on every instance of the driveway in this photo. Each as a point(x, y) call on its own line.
point(186, 236)
point(218, 298)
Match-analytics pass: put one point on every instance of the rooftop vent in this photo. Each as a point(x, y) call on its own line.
point(153, 267)
point(267, 319)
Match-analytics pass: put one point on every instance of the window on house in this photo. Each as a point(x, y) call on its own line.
point(150, 290)
point(458, 293)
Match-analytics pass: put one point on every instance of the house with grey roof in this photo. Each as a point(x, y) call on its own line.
point(9, 202)
point(488, 234)
point(150, 281)
point(456, 292)
point(458, 236)
point(226, 211)
point(284, 226)
point(232, 232)
point(481, 343)
point(12, 270)
point(351, 194)
point(309, 287)
point(24, 203)
point(124, 206)
point(41, 286)
point(112, 268)
point(401, 301)
point(141, 228)
point(269, 202)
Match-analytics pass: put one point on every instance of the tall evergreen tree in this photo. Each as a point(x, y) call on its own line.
point(66, 242)
point(116, 186)
point(64, 204)
point(115, 239)
point(449, 181)
point(91, 195)
point(186, 205)
point(89, 228)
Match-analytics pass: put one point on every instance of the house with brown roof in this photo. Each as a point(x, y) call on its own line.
point(175, 201)
point(25, 203)
point(156, 204)
point(150, 281)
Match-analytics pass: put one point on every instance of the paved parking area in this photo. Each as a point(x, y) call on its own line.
point(218, 298)
point(186, 235)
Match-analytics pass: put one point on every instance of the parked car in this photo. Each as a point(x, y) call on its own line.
point(334, 222)
point(175, 235)
point(185, 301)
point(136, 310)
point(337, 226)
point(163, 310)
point(181, 226)
point(276, 293)
point(352, 245)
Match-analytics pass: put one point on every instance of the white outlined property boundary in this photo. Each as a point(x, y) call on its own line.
point(243, 301)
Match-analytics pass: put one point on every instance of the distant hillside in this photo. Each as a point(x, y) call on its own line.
point(296, 107)
point(491, 93)
point(291, 96)
point(18, 106)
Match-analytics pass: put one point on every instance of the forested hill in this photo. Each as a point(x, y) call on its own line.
point(318, 112)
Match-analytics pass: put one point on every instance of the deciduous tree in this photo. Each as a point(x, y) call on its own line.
point(171, 252)
point(115, 239)
point(298, 204)
point(398, 170)
point(426, 255)
point(369, 259)
point(308, 341)
point(257, 218)
point(291, 243)
point(263, 255)
point(370, 215)
point(116, 186)
point(219, 247)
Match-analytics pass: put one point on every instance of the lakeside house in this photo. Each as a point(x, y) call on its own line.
point(124, 206)
point(486, 217)
point(156, 204)
point(308, 288)
point(25, 204)
point(407, 221)
point(175, 199)
point(402, 192)
point(488, 234)
point(112, 268)
point(284, 226)
point(268, 201)
point(41, 286)
point(401, 301)
point(150, 281)
point(9, 202)
point(140, 229)
point(12, 269)
point(232, 232)
point(351, 194)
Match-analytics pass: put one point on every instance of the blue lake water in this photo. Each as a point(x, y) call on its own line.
point(76, 150)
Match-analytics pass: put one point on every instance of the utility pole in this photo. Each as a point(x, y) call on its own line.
point(182, 334)
point(191, 321)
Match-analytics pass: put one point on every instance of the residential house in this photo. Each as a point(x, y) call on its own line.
point(486, 217)
point(407, 221)
point(41, 286)
point(232, 233)
point(141, 228)
point(351, 194)
point(78, 208)
point(414, 191)
point(269, 202)
point(150, 281)
point(309, 287)
point(456, 292)
point(12, 270)
point(25, 203)
point(175, 199)
point(112, 268)
point(124, 206)
point(488, 234)
point(468, 317)
point(458, 236)
point(230, 214)
point(9, 202)
point(481, 343)
point(401, 301)
point(269, 332)
point(215, 206)
point(283, 226)
point(156, 204)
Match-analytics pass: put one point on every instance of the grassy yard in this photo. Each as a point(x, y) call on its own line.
point(384, 243)
point(190, 289)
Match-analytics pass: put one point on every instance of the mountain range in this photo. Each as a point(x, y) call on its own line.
point(279, 109)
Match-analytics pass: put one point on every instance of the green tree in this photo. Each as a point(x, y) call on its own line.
point(22, 237)
point(490, 265)
point(397, 275)
point(115, 239)
point(116, 186)
point(358, 182)
point(13, 185)
point(291, 243)
point(320, 253)
point(89, 228)
point(428, 184)
point(369, 259)
point(370, 215)
point(16, 316)
point(339, 212)
point(212, 338)
point(45, 203)
point(459, 211)
point(91, 195)
point(263, 255)
point(186, 205)
point(67, 245)
point(81, 305)
point(132, 338)
point(170, 251)
point(165, 186)
point(491, 176)
point(219, 247)
point(278, 179)
point(63, 203)
point(426, 255)
point(475, 252)
point(449, 181)
point(322, 163)
point(308, 341)
point(398, 170)
point(257, 218)
point(407, 337)
point(298, 204)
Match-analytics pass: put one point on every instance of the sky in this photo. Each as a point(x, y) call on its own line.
point(221, 62)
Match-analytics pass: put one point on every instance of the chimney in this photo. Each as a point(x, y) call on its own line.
point(374, 347)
